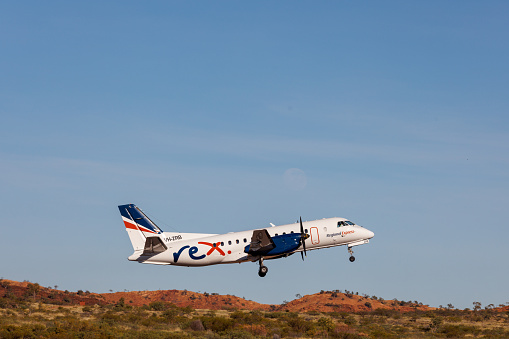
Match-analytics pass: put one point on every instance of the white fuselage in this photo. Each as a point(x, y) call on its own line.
point(192, 249)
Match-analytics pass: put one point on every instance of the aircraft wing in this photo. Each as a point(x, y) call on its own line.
point(261, 243)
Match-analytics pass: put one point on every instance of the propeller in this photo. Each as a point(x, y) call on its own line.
point(303, 237)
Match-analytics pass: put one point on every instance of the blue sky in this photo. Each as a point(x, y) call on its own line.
point(396, 113)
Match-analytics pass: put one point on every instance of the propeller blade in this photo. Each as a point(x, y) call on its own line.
point(303, 237)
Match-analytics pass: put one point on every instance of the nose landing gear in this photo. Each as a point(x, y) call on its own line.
point(352, 258)
point(262, 272)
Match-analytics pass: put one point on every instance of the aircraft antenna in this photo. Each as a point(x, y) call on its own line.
point(161, 222)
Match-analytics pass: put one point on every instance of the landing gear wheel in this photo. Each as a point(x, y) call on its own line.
point(352, 258)
point(262, 272)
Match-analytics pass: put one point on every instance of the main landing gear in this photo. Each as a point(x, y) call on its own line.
point(352, 258)
point(262, 272)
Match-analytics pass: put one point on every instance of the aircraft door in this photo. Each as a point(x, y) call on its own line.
point(315, 237)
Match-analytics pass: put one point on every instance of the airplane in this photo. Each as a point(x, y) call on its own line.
point(153, 246)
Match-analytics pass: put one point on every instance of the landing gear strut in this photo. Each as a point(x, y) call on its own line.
point(262, 272)
point(352, 258)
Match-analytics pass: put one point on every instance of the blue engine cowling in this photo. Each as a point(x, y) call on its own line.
point(284, 243)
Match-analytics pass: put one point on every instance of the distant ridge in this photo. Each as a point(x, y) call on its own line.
point(324, 301)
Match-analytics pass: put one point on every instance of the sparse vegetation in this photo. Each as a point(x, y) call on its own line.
point(162, 320)
point(31, 313)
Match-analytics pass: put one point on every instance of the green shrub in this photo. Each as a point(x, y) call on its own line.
point(326, 324)
point(275, 315)
point(350, 320)
point(150, 321)
point(170, 314)
point(160, 306)
point(24, 331)
point(300, 325)
point(239, 316)
point(454, 319)
point(186, 310)
point(456, 331)
point(110, 318)
point(239, 334)
point(217, 324)
point(381, 333)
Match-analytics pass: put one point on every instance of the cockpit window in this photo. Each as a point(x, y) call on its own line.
point(345, 223)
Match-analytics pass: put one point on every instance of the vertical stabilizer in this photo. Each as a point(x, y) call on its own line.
point(137, 225)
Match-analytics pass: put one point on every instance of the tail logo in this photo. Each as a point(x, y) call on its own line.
point(213, 247)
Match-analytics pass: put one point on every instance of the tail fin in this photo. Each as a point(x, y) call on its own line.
point(137, 225)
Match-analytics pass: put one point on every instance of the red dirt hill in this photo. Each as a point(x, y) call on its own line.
point(325, 301)
point(184, 298)
point(34, 292)
point(335, 301)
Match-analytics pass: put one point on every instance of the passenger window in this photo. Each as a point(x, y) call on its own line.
point(276, 234)
point(237, 241)
point(306, 230)
point(229, 242)
point(291, 232)
point(245, 240)
point(222, 243)
point(284, 232)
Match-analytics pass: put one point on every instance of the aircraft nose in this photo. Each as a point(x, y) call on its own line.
point(370, 234)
